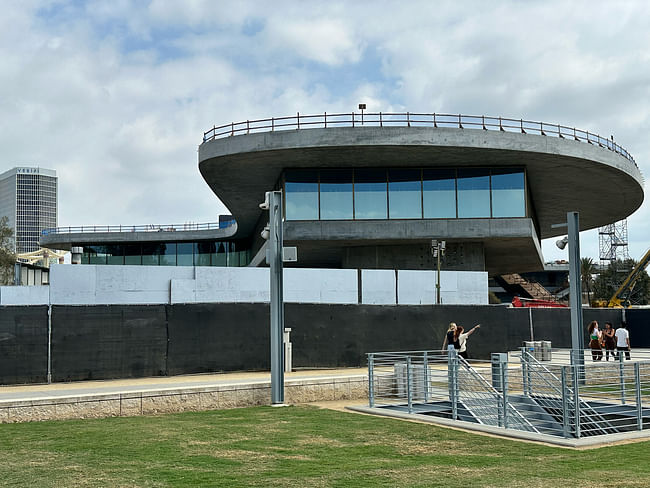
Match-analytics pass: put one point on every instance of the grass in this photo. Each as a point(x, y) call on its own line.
point(296, 446)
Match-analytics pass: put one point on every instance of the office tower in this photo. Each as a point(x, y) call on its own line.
point(28, 199)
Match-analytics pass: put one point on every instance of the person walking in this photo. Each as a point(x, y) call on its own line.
point(594, 341)
point(623, 340)
point(609, 340)
point(462, 339)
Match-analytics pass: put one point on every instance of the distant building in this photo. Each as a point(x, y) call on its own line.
point(28, 198)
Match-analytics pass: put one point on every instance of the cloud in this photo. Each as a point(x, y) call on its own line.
point(116, 95)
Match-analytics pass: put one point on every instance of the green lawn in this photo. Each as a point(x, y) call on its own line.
point(296, 446)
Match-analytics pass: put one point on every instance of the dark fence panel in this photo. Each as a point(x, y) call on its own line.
point(341, 335)
point(122, 341)
point(218, 337)
point(638, 324)
point(108, 341)
point(23, 344)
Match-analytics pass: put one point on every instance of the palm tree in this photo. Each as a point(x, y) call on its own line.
point(587, 270)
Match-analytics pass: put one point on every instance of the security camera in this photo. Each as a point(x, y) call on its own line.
point(561, 243)
point(266, 232)
point(265, 204)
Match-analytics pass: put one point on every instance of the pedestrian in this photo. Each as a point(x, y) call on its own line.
point(462, 339)
point(594, 341)
point(623, 340)
point(450, 338)
point(609, 340)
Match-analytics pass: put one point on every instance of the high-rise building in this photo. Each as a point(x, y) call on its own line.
point(28, 199)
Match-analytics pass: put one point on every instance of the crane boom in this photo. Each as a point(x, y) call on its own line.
point(617, 300)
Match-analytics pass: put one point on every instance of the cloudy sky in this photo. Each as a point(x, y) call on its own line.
point(115, 95)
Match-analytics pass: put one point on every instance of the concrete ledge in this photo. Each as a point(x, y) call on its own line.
point(175, 400)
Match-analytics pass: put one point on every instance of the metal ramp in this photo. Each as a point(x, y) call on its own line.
point(556, 400)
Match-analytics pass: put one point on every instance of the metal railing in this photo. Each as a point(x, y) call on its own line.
point(139, 228)
point(412, 119)
point(557, 399)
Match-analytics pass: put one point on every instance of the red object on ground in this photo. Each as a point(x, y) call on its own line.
point(531, 303)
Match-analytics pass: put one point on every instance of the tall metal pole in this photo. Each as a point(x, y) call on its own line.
point(575, 293)
point(438, 281)
point(276, 297)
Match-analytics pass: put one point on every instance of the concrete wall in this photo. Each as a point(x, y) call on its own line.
point(155, 285)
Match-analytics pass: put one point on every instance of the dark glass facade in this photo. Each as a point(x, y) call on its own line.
point(204, 253)
point(405, 193)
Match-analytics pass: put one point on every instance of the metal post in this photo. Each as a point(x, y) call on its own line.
point(576, 400)
point(621, 375)
point(371, 380)
point(452, 380)
point(276, 297)
point(525, 372)
point(438, 279)
point(409, 385)
point(637, 391)
point(425, 373)
point(565, 403)
point(575, 294)
point(49, 343)
point(503, 367)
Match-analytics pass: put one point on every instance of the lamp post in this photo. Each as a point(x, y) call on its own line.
point(273, 232)
point(575, 288)
point(438, 250)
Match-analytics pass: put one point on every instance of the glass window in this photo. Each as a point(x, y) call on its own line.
point(439, 193)
point(185, 254)
point(202, 253)
point(370, 194)
point(508, 196)
point(95, 254)
point(132, 254)
point(301, 195)
point(473, 193)
point(115, 254)
point(151, 254)
point(404, 194)
point(336, 194)
point(168, 254)
point(219, 258)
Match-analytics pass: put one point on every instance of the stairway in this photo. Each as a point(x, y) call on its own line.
point(515, 284)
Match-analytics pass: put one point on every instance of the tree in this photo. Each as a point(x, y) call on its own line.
point(587, 270)
point(610, 279)
point(7, 254)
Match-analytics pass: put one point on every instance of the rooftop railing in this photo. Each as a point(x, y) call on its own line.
point(412, 119)
point(138, 228)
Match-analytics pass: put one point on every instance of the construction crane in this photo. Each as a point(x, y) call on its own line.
point(621, 298)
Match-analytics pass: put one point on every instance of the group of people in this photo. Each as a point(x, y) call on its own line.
point(457, 337)
point(608, 339)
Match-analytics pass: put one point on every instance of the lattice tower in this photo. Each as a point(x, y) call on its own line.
point(612, 242)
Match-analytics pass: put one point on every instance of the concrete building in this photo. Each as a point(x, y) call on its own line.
point(28, 198)
point(371, 191)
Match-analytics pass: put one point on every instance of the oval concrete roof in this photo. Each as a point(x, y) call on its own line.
point(563, 174)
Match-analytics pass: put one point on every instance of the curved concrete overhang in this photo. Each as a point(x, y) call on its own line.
point(563, 175)
point(65, 241)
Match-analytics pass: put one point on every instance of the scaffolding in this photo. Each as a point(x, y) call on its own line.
point(612, 242)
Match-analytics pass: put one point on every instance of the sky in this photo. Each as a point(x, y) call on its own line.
point(115, 95)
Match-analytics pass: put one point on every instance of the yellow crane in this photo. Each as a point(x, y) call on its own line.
point(620, 298)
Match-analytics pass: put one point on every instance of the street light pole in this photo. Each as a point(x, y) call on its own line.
point(575, 291)
point(438, 250)
point(274, 255)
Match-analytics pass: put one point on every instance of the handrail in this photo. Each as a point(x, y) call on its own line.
point(413, 119)
point(139, 228)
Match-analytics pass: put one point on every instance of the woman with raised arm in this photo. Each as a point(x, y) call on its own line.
point(609, 340)
point(462, 339)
